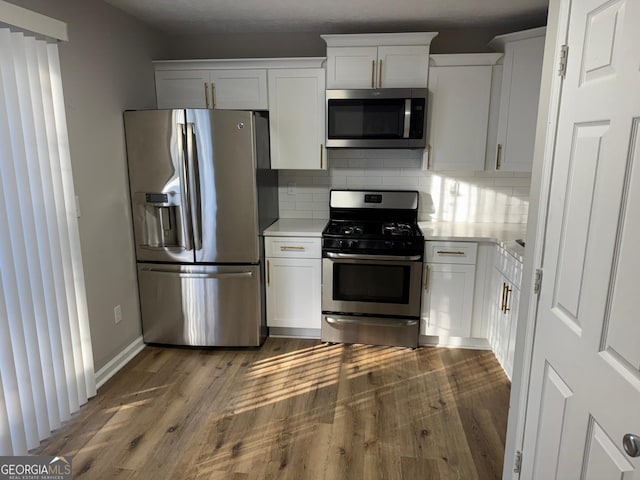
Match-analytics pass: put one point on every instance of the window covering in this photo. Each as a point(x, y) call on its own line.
point(46, 360)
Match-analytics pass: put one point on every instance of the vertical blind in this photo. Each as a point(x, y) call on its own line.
point(46, 361)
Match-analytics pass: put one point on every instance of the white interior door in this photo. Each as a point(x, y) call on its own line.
point(585, 380)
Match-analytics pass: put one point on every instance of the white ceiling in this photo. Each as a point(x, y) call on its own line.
point(328, 16)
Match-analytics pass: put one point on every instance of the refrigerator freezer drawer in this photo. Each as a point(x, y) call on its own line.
point(194, 305)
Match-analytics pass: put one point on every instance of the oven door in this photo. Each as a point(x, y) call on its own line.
point(371, 284)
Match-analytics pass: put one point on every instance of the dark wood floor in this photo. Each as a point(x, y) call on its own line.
point(294, 409)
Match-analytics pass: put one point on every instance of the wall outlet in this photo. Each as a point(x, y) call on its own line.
point(291, 189)
point(117, 314)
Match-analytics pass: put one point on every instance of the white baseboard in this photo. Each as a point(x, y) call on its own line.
point(284, 332)
point(454, 342)
point(119, 361)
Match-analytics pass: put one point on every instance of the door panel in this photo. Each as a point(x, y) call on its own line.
point(587, 330)
point(555, 395)
point(603, 459)
point(225, 218)
point(621, 326)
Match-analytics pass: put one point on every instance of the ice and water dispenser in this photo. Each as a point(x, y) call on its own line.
point(160, 219)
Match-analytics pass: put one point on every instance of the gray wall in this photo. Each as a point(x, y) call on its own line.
point(106, 68)
point(265, 45)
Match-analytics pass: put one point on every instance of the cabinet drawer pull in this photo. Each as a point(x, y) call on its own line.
point(206, 94)
point(498, 156)
point(321, 156)
point(380, 75)
point(449, 252)
point(292, 249)
point(213, 95)
point(268, 272)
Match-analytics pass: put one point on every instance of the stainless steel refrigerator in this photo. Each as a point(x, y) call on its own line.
point(202, 193)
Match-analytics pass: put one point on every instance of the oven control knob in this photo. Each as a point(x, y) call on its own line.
point(353, 243)
point(342, 243)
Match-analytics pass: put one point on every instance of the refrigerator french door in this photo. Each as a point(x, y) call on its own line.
point(194, 195)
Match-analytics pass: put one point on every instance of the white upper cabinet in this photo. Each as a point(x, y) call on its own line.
point(458, 110)
point(232, 84)
point(392, 60)
point(239, 89)
point(181, 88)
point(297, 118)
point(520, 91)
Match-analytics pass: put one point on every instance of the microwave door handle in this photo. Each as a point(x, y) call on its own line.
point(407, 118)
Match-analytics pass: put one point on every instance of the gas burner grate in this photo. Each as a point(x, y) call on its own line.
point(346, 229)
point(397, 229)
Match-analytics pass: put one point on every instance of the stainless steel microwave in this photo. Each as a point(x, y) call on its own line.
point(382, 118)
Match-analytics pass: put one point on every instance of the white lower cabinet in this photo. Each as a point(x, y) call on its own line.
point(293, 283)
point(449, 279)
point(503, 307)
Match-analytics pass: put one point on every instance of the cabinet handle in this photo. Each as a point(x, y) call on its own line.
point(506, 300)
point(504, 291)
point(448, 252)
point(427, 274)
point(321, 154)
point(294, 249)
point(373, 73)
point(498, 156)
point(429, 156)
point(268, 272)
point(380, 74)
point(213, 95)
point(206, 94)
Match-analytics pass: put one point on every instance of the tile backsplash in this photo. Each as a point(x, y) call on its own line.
point(501, 197)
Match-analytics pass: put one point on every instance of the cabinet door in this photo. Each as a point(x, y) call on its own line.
point(239, 89)
point(352, 67)
point(182, 89)
point(519, 104)
point(293, 292)
point(458, 116)
point(403, 66)
point(297, 118)
point(448, 300)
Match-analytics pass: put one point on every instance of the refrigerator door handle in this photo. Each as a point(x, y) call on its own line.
point(184, 191)
point(194, 181)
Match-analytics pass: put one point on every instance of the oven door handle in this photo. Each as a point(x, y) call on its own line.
point(354, 321)
point(356, 256)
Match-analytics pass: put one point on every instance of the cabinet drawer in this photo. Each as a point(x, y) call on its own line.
point(451, 252)
point(509, 266)
point(300, 247)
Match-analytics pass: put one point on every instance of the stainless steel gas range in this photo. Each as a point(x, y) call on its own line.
point(372, 253)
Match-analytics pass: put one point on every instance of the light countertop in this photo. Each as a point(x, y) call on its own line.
point(296, 227)
point(504, 234)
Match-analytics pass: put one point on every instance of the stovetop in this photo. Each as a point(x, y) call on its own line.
point(372, 238)
point(373, 223)
point(355, 228)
